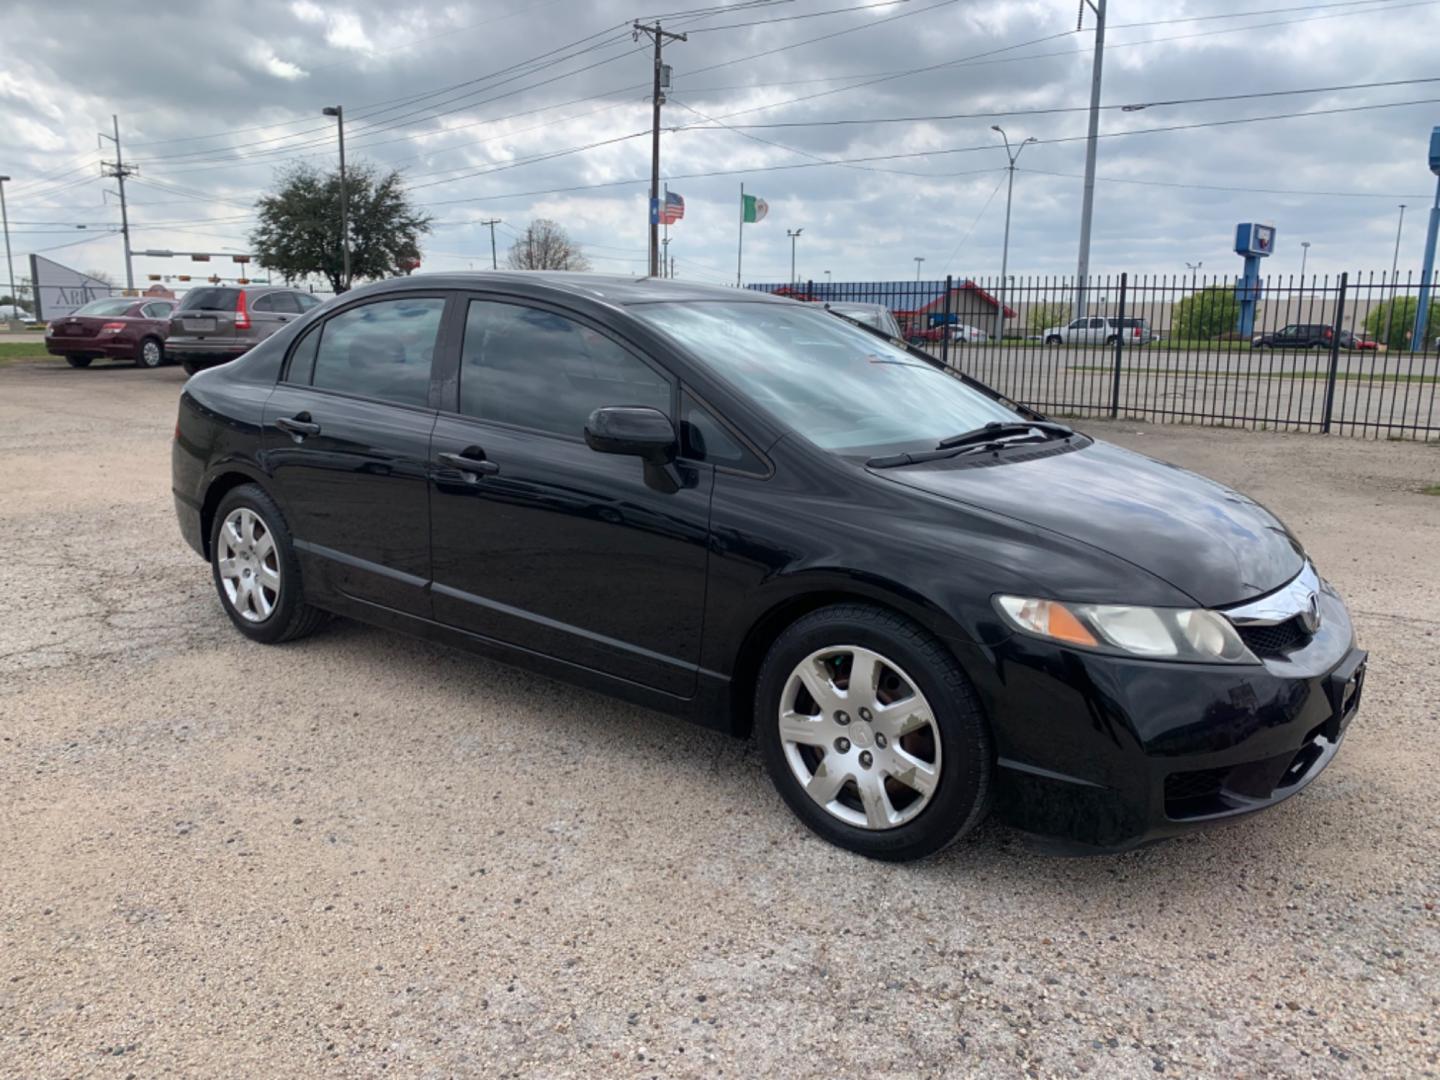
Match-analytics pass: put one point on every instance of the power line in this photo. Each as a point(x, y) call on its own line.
point(1132, 107)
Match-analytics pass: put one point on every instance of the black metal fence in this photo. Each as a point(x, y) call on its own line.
point(1324, 354)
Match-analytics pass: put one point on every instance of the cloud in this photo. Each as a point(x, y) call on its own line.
point(266, 60)
point(1163, 198)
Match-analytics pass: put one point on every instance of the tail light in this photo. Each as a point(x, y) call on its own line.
point(112, 328)
point(242, 312)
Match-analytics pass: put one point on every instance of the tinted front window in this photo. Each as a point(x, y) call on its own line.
point(209, 300)
point(537, 369)
point(110, 306)
point(704, 438)
point(381, 350)
point(834, 384)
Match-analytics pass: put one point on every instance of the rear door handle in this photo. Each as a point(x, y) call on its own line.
point(466, 463)
point(299, 425)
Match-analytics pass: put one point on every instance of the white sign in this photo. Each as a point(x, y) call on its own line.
point(59, 291)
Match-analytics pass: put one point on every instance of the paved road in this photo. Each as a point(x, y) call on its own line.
point(1376, 394)
point(362, 854)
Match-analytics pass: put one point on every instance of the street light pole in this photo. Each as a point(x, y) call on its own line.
point(1005, 250)
point(918, 260)
point(793, 235)
point(1304, 255)
point(1087, 207)
point(338, 111)
point(1394, 270)
point(5, 216)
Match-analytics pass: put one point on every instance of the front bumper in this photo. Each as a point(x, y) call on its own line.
point(1104, 753)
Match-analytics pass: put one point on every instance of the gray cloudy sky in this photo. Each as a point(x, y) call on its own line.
point(214, 97)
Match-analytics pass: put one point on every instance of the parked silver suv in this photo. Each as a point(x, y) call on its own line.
point(217, 323)
point(1097, 330)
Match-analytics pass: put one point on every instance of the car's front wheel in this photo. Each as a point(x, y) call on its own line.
point(1054, 339)
point(256, 572)
point(872, 733)
point(150, 354)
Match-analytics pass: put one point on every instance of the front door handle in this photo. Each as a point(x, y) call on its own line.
point(468, 463)
point(298, 425)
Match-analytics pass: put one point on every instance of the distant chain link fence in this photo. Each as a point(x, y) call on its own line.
point(1326, 354)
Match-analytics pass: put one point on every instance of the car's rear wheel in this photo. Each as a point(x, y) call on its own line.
point(150, 353)
point(872, 733)
point(1054, 339)
point(78, 361)
point(1112, 340)
point(256, 572)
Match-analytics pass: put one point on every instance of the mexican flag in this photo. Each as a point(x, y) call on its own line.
point(753, 209)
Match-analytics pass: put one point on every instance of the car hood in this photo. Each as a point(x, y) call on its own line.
point(1212, 543)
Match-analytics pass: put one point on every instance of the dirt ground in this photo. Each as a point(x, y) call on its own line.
point(362, 855)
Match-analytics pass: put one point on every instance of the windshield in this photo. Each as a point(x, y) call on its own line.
point(110, 306)
point(839, 386)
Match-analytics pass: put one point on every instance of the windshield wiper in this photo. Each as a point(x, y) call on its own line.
point(997, 429)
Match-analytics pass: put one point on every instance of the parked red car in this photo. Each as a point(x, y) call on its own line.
point(118, 327)
point(1364, 341)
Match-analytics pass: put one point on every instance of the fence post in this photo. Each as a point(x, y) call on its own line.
point(1334, 354)
point(945, 330)
point(1119, 344)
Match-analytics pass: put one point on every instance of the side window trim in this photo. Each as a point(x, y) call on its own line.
point(689, 393)
point(449, 400)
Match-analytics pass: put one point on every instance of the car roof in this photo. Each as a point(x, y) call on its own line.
point(606, 288)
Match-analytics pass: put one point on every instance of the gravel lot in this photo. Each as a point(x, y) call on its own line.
point(362, 854)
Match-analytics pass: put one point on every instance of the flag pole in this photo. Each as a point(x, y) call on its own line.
point(740, 240)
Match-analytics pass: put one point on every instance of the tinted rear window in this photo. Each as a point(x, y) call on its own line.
point(209, 300)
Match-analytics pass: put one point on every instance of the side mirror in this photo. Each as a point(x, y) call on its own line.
point(631, 429)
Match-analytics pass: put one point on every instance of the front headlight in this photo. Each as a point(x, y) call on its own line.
point(1196, 635)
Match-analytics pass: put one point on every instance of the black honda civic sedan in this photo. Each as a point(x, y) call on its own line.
point(922, 599)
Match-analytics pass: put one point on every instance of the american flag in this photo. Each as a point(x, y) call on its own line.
point(673, 210)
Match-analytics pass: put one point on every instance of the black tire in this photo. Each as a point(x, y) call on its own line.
point(962, 792)
point(79, 361)
point(150, 353)
point(291, 616)
point(1054, 339)
point(191, 366)
point(1112, 340)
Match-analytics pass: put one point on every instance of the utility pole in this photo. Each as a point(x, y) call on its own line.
point(494, 262)
point(793, 235)
point(662, 82)
point(1087, 207)
point(918, 260)
point(338, 111)
point(119, 170)
point(1005, 250)
point(5, 217)
point(1394, 270)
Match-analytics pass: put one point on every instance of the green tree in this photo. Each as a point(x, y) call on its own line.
point(299, 230)
point(1206, 313)
point(1394, 329)
point(1043, 316)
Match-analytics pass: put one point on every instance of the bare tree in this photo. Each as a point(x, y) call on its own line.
point(101, 275)
point(544, 245)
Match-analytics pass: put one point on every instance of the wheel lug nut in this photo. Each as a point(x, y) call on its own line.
point(842, 745)
point(880, 740)
point(865, 759)
point(865, 714)
point(842, 718)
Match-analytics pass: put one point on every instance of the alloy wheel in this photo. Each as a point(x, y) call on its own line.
point(248, 563)
point(860, 737)
point(150, 353)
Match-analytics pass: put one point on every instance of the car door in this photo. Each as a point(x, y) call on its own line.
point(543, 543)
point(347, 442)
point(1076, 331)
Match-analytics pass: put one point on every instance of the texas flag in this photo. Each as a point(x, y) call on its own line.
point(673, 210)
